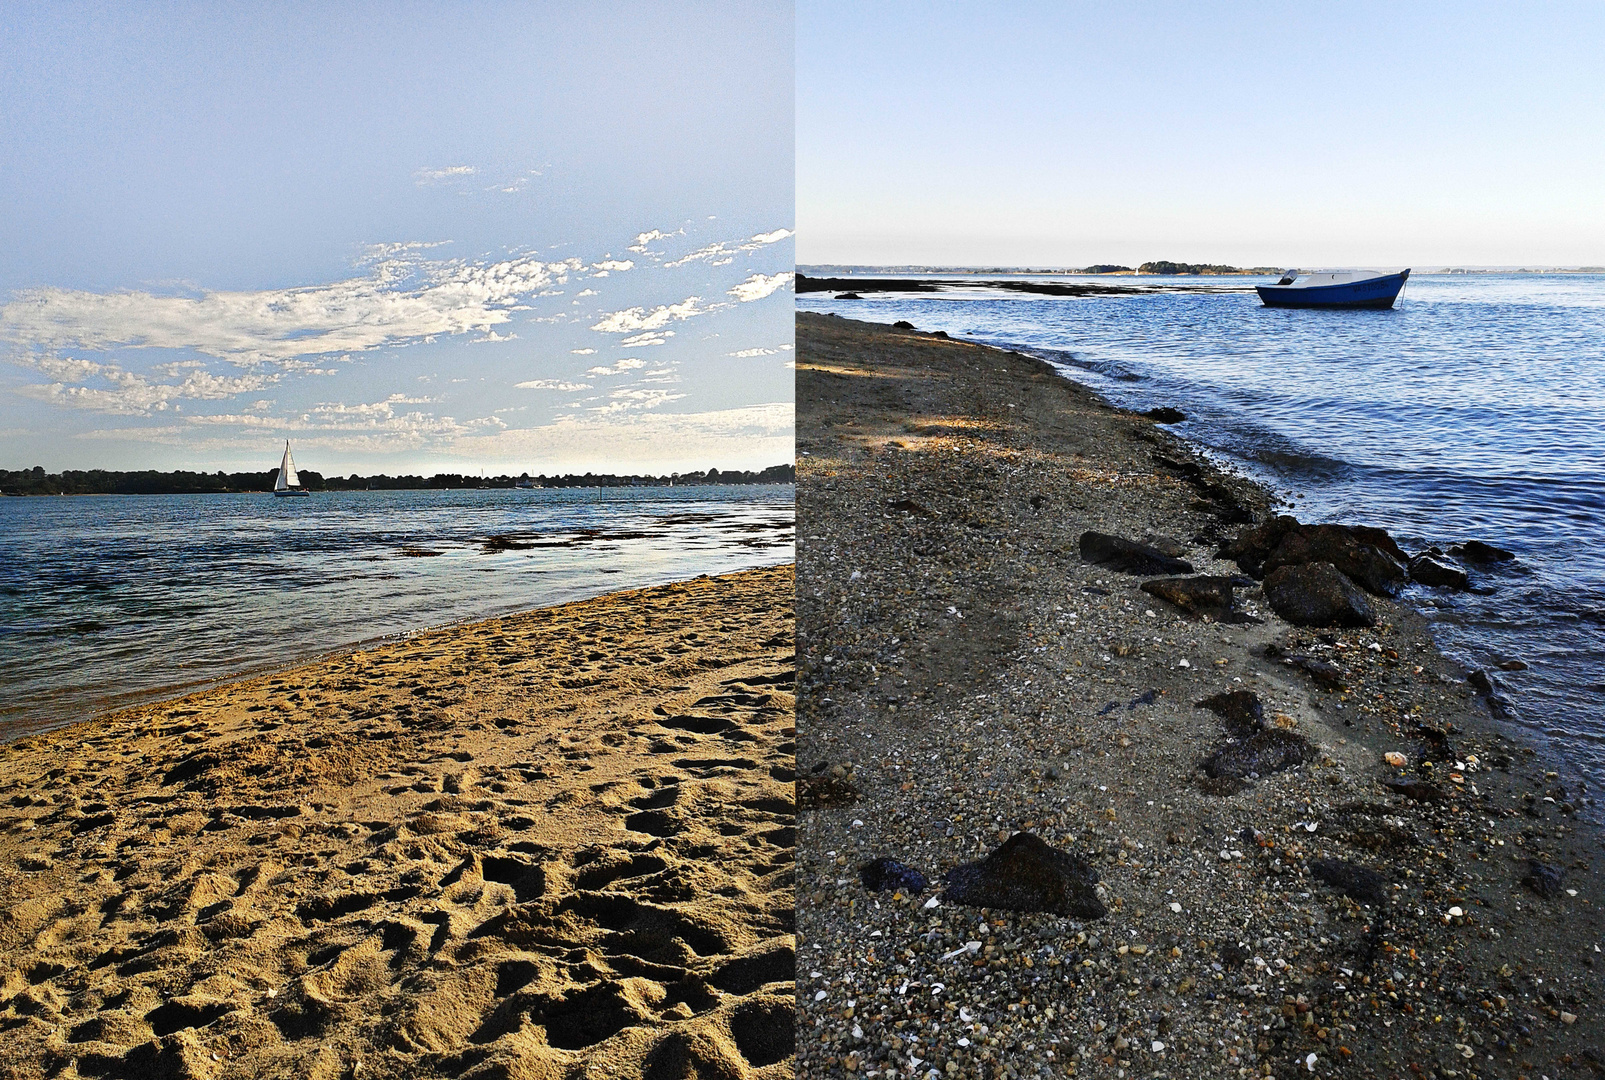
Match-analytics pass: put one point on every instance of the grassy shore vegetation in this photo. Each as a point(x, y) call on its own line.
point(36, 481)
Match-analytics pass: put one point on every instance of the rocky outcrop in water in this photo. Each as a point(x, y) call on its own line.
point(1475, 551)
point(1434, 568)
point(1367, 556)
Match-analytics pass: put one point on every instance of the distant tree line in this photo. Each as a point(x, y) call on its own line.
point(1165, 266)
point(36, 481)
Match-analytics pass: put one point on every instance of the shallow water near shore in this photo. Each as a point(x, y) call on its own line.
point(1474, 409)
point(109, 601)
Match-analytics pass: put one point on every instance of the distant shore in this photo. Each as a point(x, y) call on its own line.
point(551, 843)
point(36, 481)
point(1397, 888)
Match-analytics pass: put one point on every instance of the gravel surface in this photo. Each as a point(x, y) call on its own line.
point(964, 675)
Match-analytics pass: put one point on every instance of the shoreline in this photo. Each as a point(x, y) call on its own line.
point(955, 478)
point(552, 843)
point(180, 692)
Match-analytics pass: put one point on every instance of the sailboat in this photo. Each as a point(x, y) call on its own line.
point(288, 483)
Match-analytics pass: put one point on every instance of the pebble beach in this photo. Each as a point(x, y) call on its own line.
point(1408, 892)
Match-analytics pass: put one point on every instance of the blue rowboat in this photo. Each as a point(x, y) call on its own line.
point(1334, 289)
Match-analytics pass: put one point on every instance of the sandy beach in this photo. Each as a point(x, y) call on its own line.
point(558, 844)
point(1340, 867)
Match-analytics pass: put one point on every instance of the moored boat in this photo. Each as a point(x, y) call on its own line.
point(288, 483)
point(1335, 289)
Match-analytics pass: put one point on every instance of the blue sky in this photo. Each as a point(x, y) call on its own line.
point(409, 238)
point(1361, 133)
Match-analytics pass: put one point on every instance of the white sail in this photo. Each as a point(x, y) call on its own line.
point(287, 478)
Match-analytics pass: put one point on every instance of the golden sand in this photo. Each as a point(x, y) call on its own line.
point(554, 844)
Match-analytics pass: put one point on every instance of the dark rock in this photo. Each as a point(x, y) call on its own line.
point(1544, 879)
point(1481, 681)
point(882, 874)
point(1128, 556)
point(901, 324)
point(1165, 415)
point(1025, 874)
point(848, 296)
point(1367, 555)
point(1266, 752)
point(1037, 502)
point(1240, 711)
point(1253, 546)
point(1147, 697)
point(939, 333)
point(1201, 595)
point(1416, 790)
point(1475, 551)
point(1317, 594)
point(1233, 955)
point(1325, 674)
point(1369, 565)
point(1437, 571)
point(1355, 882)
point(1512, 665)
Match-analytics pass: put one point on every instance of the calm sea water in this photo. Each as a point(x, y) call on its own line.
point(1474, 409)
point(107, 601)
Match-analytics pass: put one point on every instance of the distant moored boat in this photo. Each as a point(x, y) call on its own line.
point(1334, 289)
point(288, 483)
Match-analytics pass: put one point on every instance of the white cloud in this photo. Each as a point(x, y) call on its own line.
point(631, 399)
point(750, 437)
point(629, 363)
point(588, 292)
point(552, 384)
point(722, 252)
point(744, 353)
point(582, 352)
point(709, 252)
point(758, 286)
point(425, 177)
point(650, 337)
point(128, 393)
point(636, 319)
point(613, 264)
point(282, 325)
point(642, 240)
point(491, 335)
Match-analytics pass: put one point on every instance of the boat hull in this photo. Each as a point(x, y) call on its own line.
point(289, 493)
point(1377, 294)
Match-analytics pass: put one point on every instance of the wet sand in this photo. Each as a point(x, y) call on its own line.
point(558, 844)
point(965, 675)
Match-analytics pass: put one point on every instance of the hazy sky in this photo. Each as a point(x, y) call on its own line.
point(1286, 134)
point(543, 237)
